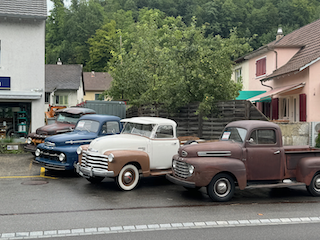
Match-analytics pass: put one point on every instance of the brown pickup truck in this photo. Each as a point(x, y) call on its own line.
point(249, 154)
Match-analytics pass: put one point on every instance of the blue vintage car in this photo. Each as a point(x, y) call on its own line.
point(59, 152)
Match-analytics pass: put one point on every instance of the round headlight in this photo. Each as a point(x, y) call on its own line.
point(62, 156)
point(110, 157)
point(79, 150)
point(37, 152)
point(29, 140)
point(191, 169)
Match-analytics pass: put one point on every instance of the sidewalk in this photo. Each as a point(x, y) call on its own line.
point(18, 165)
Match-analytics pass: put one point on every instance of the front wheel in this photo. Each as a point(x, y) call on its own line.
point(314, 187)
point(221, 188)
point(128, 177)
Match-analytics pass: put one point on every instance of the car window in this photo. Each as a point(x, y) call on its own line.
point(263, 136)
point(111, 127)
point(87, 125)
point(164, 131)
point(234, 134)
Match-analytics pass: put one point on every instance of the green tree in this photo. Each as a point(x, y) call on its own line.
point(174, 64)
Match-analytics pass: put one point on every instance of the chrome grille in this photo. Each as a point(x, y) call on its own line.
point(49, 154)
point(181, 169)
point(95, 161)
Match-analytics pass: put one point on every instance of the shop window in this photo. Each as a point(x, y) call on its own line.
point(62, 100)
point(261, 67)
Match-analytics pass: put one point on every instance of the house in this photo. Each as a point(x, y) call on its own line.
point(95, 83)
point(288, 70)
point(64, 84)
point(22, 65)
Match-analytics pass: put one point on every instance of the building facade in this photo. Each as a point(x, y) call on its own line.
point(22, 65)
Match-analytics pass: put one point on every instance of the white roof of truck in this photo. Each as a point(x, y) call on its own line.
point(150, 120)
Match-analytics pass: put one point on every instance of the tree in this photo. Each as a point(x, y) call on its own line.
point(173, 64)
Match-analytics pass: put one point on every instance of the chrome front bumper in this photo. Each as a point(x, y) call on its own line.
point(88, 172)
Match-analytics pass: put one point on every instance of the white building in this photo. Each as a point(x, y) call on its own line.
point(22, 64)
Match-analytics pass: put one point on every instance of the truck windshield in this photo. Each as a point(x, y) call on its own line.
point(138, 128)
point(234, 134)
point(69, 118)
point(87, 125)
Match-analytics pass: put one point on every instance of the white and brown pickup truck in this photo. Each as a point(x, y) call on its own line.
point(249, 154)
point(144, 147)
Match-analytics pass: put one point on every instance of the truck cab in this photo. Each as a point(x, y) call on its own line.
point(59, 152)
point(144, 147)
point(249, 154)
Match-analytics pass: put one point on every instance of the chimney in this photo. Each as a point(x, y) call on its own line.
point(279, 34)
point(59, 62)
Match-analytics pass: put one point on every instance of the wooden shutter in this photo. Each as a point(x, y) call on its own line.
point(275, 108)
point(261, 67)
point(303, 107)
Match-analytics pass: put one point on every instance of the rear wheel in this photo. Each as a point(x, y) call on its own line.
point(128, 177)
point(221, 188)
point(314, 187)
point(95, 179)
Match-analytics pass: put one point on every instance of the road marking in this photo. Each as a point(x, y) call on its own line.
point(156, 227)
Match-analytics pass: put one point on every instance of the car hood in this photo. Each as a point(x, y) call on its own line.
point(72, 138)
point(55, 128)
point(212, 149)
point(119, 142)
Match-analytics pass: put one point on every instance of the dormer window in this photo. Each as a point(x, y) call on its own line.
point(261, 67)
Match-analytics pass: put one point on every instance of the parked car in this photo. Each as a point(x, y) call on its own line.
point(249, 154)
point(59, 152)
point(65, 122)
point(144, 147)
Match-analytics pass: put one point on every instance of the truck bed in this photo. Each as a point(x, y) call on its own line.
point(295, 153)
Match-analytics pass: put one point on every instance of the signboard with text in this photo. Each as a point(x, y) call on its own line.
point(4, 83)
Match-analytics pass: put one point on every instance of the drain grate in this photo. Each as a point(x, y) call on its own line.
point(34, 182)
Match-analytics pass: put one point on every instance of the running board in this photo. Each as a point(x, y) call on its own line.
point(276, 185)
point(160, 172)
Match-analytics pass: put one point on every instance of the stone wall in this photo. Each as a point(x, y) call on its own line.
point(295, 133)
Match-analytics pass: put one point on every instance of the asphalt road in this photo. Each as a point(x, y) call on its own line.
point(37, 203)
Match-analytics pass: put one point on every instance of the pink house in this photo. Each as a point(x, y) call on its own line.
point(288, 70)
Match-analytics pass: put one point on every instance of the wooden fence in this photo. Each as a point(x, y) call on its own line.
point(209, 127)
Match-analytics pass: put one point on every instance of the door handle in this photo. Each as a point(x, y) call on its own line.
point(276, 152)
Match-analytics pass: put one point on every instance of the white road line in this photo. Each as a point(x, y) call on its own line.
point(156, 227)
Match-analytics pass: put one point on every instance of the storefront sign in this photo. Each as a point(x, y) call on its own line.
point(4, 83)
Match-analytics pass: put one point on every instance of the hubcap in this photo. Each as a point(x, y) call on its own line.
point(222, 187)
point(128, 178)
point(317, 184)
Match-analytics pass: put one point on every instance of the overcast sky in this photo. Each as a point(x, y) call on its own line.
point(50, 4)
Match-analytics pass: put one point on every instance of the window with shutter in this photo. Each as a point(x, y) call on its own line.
point(261, 67)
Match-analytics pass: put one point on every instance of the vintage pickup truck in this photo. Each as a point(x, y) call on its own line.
point(144, 147)
point(249, 154)
point(65, 122)
point(59, 152)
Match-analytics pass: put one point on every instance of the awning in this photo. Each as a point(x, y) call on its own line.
point(275, 91)
point(244, 95)
point(15, 95)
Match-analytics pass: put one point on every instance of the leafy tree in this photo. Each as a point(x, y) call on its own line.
point(174, 64)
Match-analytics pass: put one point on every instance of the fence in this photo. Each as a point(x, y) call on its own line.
point(210, 127)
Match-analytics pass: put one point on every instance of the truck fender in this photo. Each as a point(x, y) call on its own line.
point(211, 166)
point(307, 168)
point(123, 157)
